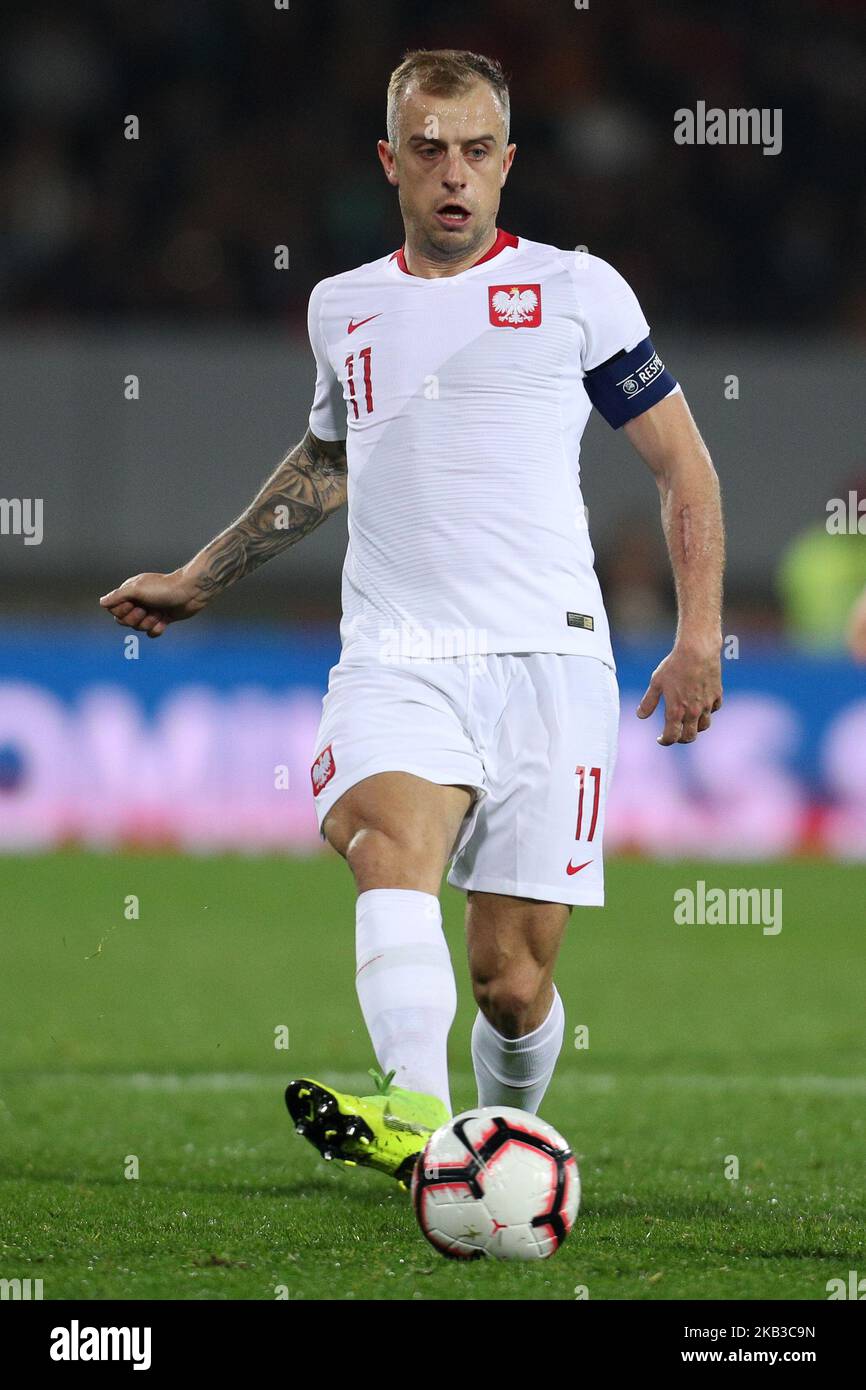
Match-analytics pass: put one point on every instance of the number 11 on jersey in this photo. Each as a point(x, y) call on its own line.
point(595, 774)
point(366, 356)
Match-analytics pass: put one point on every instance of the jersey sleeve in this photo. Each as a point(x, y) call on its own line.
point(328, 414)
point(623, 373)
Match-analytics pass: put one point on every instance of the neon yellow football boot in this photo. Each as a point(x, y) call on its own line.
point(386, 1131)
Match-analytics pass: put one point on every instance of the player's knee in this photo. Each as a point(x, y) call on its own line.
point(385, 859)
point(509, 1000)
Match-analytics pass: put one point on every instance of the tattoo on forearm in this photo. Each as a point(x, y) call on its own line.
point(300, 493)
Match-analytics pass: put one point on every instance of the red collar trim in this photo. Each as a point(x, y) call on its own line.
point(503, 239)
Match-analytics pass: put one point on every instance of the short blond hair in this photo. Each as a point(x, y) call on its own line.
point(445, 72)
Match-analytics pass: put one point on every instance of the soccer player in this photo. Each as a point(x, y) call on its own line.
point(473, 714)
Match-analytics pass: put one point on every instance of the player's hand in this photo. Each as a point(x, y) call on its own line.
point(856, 633)
point(149, 602)
point(690, 682)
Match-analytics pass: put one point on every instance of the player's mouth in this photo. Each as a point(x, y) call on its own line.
point(452, 215)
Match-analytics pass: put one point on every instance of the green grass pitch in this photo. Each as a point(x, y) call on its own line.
point(154, 1038)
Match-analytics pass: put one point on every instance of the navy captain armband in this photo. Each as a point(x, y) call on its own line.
point(629, 383)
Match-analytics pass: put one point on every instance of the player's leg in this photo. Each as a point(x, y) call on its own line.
point(396, 832)
point(535, 849)
point(513, 944)
point(393, 781)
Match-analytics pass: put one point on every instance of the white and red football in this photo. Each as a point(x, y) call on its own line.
point(498, 1182)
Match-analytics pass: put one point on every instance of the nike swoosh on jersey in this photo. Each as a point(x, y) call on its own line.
point(576, 868)
point(353, 325)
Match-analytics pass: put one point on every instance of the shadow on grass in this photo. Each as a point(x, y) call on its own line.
point(83, 1182)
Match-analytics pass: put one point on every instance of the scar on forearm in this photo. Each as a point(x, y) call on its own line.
point(685, 530)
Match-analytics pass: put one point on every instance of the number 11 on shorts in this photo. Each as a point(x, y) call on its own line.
point(595, 775)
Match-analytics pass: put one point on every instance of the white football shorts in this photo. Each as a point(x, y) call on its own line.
point(535, 734)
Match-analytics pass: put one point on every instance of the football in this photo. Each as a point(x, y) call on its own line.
point(496, 1181)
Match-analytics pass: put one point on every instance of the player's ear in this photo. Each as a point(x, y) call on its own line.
point(507, 161)
point(388, 161)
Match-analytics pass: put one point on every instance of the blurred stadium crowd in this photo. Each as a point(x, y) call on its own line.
point(258, 127)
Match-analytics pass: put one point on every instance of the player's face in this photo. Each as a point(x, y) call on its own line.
point(449, 164)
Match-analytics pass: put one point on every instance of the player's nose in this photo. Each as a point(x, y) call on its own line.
point(454, 175)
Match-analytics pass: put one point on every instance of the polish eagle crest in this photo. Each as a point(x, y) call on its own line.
point(515, 306)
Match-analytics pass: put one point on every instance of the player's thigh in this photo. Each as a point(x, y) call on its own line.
point(396, 770)
point(418, 817)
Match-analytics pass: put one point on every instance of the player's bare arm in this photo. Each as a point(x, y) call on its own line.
point(303, 490)
point(690, 678)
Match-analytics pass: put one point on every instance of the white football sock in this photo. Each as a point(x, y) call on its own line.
point(405, 984)
point(517, 1071)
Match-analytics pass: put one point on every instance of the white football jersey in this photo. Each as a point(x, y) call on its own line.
point(462, 402)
